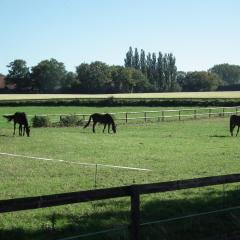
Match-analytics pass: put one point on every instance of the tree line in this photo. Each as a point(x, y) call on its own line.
point(160, 69)
point(141, 72)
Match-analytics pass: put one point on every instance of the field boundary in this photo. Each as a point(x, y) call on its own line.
point(111, 101)
point(161, 115)
point(132, 191)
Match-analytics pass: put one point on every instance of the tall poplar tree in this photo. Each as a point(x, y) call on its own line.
point(143, 65)
point(136, 63)
point(129, 58)
point(160, 75)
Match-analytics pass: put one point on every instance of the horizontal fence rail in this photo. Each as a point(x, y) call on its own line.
point(132, 191)
point(11, 205)
point(161, 115)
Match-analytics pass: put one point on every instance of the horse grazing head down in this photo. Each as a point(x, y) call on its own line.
point(105, 119)
point(28, 131)
point(19, 118)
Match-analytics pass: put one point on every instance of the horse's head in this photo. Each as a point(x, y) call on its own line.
point(28, 131)
point(114, 128)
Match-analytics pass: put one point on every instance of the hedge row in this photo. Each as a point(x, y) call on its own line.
point(112, 102)
point(65, 121)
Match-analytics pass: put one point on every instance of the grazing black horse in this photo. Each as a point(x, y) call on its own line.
point(21, 119)
point(234, 121)
point(105, 119)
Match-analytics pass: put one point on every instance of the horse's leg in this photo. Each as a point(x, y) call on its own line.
point(109, 128)
point(14, 128)
point(20, 130)
point(104, 127)
point(24, 128)
point(93, 127)
point(233, 129)
point(237, 130)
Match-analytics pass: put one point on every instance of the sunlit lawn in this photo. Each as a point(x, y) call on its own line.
point(171, 150)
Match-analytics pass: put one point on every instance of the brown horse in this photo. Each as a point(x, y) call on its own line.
point(234, 121)
point(105, 119)
point(21, 119)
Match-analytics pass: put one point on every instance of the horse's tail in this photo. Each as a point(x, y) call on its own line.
point(9, 117)
point(89, 120)
point(232, 124)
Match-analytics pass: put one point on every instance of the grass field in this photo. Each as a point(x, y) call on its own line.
point(181, 95)
point(172, 150)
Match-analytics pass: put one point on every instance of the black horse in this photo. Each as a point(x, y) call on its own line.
point(234, 121)
point(105, 119)
point(21, 119)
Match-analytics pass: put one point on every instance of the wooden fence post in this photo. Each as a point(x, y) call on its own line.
point(209, 112)
point(145, 116)
point(135, 213)
point(162, 116)
point(179, 115)
point(126, 117)
point(223, 112)
point(195, 113)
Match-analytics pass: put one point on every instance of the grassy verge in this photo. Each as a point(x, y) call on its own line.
point(172, 150)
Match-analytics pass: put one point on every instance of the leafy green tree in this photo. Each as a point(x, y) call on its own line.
point(140, 82)
point(128, 80)
point(48, 76)
point(94, 77)
point(120, 78)
point(200, 81)
point(230, 74)
point(69, 82)
point(181, 75)
point(19, 75)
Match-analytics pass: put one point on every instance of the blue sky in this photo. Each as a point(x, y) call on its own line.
point(199, 33)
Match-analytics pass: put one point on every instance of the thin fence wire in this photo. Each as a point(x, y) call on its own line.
point(123, 229)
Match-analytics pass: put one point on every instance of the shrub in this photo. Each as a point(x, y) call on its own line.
point(70, 121)
point(41, 121)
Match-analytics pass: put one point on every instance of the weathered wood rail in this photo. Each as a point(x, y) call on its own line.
point(132, 191)
point(162, 115)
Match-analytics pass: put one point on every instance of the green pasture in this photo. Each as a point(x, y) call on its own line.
point(181, 95)
point(171, 150)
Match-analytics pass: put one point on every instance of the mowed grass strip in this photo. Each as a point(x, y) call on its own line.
point(181, 95)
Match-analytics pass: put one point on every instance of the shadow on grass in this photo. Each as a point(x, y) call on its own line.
point(221, 136)
point(201, 227)
point(4, 135)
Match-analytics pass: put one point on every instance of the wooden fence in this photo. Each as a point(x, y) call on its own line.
point(163, 115)
point(132, 191)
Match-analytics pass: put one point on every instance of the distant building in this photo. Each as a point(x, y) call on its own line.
point(3, 84)
point(2, 81)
